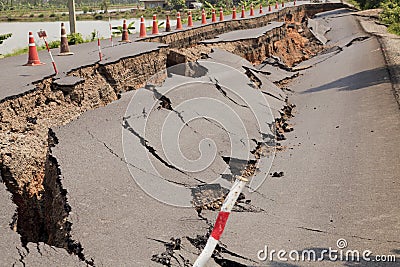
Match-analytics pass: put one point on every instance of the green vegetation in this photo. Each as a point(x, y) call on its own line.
point(4, 37)
point(118, 29)
point(176, 4)
point(390, 15)
point(75, 38)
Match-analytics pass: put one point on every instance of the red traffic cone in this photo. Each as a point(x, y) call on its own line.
point(276, 5)
point(167, 25)
point(221, 14)
point(64, 48)
point(234, 13)
point(213, 16)
point(154, 29)
point(142, 28)
point(283, 4)
point(190, 21)
point(125, 36)
point(203, 17)
point(243, 13)
point(178, 21)
point(261, 10)
point(269, 8)
point(33, 57)
point(251, 10)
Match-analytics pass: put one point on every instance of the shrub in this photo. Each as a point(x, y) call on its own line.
point(391, 15)
point(52, 15)
point(41, 15)
point(75, 38)
point(54, 44)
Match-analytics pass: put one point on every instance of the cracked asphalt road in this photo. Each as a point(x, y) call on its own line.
point(341, 168)
point(342, 162)
point(94, 160)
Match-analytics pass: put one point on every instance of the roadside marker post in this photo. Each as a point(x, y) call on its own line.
point(111, 34)
point(220, 223)
point(99, 47)
point(42, 34)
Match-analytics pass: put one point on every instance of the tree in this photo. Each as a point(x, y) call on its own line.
point(104, 5)
point(176, 4)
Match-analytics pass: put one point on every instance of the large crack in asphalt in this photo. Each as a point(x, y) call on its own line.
point(225, 94)
point(47, 231)
point(145, 144)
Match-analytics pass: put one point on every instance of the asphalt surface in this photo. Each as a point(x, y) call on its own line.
point(110, 195)
point(18, 79)
point(12, 252)
point(341, 163)
point(243, 34)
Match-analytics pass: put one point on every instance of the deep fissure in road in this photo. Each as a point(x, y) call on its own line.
point(34, 181)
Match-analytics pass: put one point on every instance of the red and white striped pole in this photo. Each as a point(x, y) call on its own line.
point(220, 223)
point(43, 34)
point(99, 47)
point(111, 39)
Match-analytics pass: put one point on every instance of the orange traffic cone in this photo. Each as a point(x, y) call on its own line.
point(64, 48)
point(213, 16)
point(251, 10)
point(261, 10)
point(178, 21)
point(269, 8)
point(154, 29)
point(203, 17)
point(221, 14)
point(142, 28)
point(294, 2)
point(234, 13)
point(33, 57)
point(283, 4)
point(276, 5)
point(243, 13)
point(125, 36)
point(167, 25)
point(190, 21)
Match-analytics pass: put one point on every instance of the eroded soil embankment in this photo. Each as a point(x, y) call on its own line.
point(31, 175)
point(26, 168)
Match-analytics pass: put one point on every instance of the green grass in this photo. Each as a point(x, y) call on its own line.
point(394, 28)
point(17, 52)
